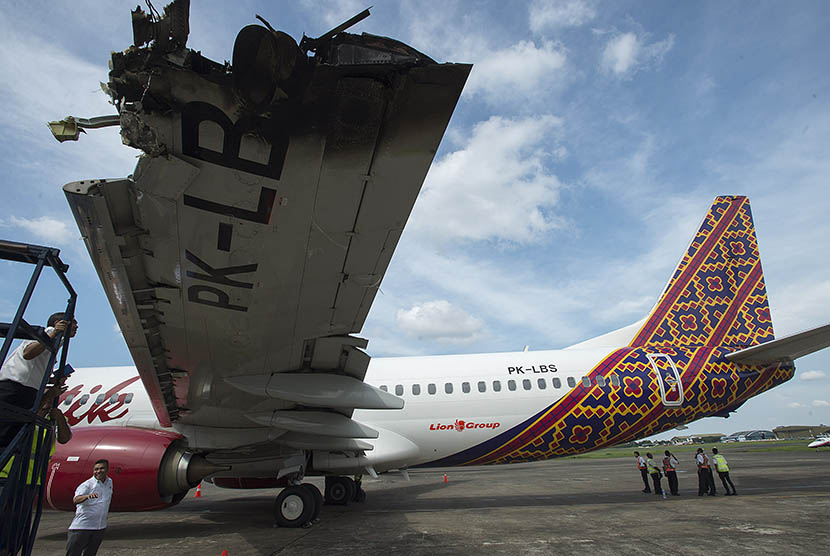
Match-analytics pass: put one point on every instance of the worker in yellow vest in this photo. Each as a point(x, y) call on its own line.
point(63, 435)
point(654, 471)
point(641, 465)
point(723, 471)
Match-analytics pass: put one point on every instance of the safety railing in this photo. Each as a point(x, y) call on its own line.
point(24, 461)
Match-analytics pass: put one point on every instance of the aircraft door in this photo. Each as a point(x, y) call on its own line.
point(668, 379)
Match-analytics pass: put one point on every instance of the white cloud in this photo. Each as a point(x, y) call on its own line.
point(516, 72)
point(45, 228)
point(439, 320)
point(626, 53)
point(621, 53)
point(496, 187)
point(812, 375)
point(795, 405)
point(544, 14)
point(821, 403)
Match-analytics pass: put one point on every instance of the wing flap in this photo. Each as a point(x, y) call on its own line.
point(318, 390)
point(784, 349)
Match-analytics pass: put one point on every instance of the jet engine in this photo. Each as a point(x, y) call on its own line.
point(150, 469)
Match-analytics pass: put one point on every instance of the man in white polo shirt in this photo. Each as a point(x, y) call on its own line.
point(23, 371)
point(92, 503)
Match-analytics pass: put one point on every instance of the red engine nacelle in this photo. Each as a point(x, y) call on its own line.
point(150, 469)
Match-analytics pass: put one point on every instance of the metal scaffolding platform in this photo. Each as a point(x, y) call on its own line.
point(24, 461)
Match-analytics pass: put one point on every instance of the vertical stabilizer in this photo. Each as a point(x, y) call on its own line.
point(717, 295)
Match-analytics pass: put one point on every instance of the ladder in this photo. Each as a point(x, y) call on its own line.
point(21, 502)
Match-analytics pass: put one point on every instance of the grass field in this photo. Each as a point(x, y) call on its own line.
point(759, 446)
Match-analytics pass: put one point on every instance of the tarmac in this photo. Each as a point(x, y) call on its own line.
point(562, 506)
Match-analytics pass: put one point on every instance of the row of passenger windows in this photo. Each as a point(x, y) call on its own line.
point(98, 400)
point(527, 384)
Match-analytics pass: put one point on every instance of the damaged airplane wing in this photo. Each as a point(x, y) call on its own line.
point(249, 243)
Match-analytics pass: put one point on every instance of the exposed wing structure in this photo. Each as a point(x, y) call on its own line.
point(784, 349)
point(251, 239)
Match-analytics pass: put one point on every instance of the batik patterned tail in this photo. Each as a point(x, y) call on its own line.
point(717, 295)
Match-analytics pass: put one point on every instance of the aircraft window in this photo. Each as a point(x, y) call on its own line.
point(399, 390)
point(615, 380)
point(526, 384)
point(114, 398)
point(128, 398)
point(586, 381)
point(482, 386)
point(496, 386)
point(99, 400)
point(600, 380)
point(465, 387)
point(542, 383)
point(68, 399)
point(416, 389)
point(571, 382)
point(431, 388)
point(557, 383)
point(384, 388)
point(511, 385)
point(448, 388)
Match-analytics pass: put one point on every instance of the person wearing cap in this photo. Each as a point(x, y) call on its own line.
point(22, 372)
point(670, 469)
point(723, 472)
point(641, 465)
point(705, 482)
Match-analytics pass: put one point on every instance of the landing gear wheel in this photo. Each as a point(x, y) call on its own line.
point(294, 506)
point(318, 500)
point(339, 490)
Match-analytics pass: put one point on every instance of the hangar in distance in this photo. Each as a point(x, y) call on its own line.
point(242, 256)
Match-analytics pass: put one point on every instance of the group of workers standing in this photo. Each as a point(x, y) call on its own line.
point(705, 477)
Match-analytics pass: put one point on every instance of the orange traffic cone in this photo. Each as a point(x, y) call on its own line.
point(445, 477)
point(198, 491)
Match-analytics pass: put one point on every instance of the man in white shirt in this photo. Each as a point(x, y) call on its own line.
point(23, 370)
point(92, 503)
point(641, 465)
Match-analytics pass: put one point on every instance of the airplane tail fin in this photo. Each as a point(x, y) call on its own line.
point(717, 295)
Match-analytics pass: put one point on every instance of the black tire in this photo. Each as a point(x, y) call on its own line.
point(318, 500)
point(293, 506)
point(339, 490)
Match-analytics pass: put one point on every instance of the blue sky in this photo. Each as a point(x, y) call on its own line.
point(588, 144)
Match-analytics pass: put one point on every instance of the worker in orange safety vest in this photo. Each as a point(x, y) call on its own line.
point(670, 469)
point(705, 481)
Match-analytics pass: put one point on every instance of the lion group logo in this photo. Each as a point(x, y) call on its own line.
point(461, 425)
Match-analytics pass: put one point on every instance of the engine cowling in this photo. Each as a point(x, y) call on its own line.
point(150, 469)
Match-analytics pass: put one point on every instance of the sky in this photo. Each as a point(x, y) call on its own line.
point(589, 142)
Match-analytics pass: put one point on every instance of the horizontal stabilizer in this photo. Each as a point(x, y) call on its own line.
point(788, 348)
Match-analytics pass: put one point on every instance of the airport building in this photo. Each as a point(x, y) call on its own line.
point(800, 432)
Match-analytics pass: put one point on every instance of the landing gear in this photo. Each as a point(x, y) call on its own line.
point(340, 490)
point(318, 500)
point(295, 506)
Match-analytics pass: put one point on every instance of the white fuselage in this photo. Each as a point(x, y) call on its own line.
point(452, 402)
